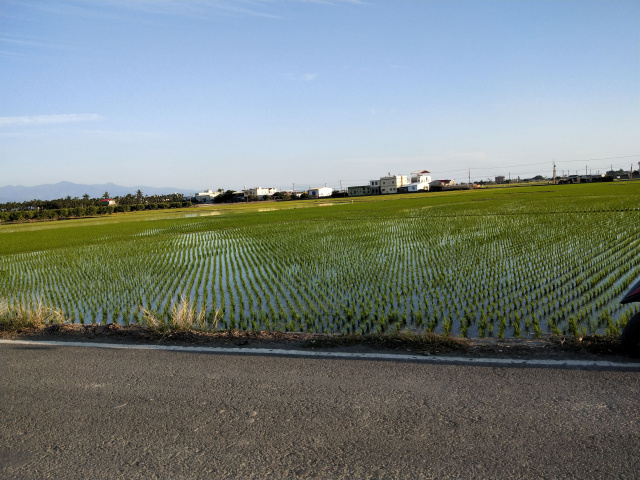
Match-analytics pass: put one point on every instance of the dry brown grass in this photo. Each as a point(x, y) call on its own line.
point(18, 318)
point(184, 317)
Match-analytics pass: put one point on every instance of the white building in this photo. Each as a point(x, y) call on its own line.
point(421, 176)
point(207, 196)
point(419, 181)
point(391, 183)
point(260, 192)
point(320, 192)
point(417, 187)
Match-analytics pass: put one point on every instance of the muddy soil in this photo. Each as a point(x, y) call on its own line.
point(551, 347)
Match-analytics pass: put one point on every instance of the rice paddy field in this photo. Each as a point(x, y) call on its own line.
point(516, 262)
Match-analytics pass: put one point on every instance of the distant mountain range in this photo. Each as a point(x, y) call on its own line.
point(18, 193)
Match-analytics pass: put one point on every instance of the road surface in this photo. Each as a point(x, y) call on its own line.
point(72, 412)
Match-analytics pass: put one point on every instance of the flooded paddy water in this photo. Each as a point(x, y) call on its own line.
point(417, 269)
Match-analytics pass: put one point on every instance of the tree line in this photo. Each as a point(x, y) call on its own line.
point(75, 207)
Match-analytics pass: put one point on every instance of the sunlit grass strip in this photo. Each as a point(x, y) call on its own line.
point(183, 317)
point(19, 318)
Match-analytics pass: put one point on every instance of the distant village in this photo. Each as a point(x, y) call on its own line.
point(419, 181)
point(416, 182)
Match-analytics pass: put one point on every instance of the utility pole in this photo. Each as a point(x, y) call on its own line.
point(340, 185)
point(554, 172)
point(469, 179)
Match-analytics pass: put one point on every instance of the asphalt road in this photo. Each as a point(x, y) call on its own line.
point(71, 412)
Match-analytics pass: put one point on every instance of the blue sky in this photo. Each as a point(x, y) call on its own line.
point(223, 94)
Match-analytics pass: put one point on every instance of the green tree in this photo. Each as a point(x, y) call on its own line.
point(225, 197)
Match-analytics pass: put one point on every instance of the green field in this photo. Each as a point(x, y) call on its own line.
point(506, 262)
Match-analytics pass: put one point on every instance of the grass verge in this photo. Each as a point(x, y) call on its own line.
point(15, 319)
point(184, 317)
point(188, 325)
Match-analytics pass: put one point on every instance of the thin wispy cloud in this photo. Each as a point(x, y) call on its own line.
point(257, 8)
point(126, 10)
point(122, 9)
point(305, 77)
point(28, 47)
point(244, 11)
point(197, 9)
point(34, 120)
point(329, 2)
point(7, 53)
point(373, 111)
point(30, 42)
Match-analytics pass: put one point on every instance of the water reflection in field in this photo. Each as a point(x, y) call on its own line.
point(202, 214)
point(448, 269)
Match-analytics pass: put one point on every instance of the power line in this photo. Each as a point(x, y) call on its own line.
point(541, 163)
point(489, 171)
